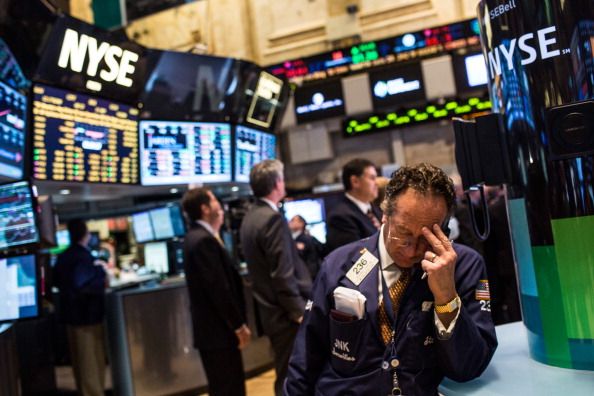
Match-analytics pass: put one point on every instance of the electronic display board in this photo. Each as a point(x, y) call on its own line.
point(80, 138)
point(167, 222)
point(184, 152)
point(319, 101)
point(397, 86)
point(265, 101)
point(13, 113)
point(156, 257)
point(17, 215)
point(251, 146)
point(18, 294)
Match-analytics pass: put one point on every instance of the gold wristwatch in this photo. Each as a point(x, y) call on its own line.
point(449, 307)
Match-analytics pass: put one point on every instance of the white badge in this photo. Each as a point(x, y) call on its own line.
point(362, 267)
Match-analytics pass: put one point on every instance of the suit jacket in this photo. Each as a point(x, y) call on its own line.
point(311, 254)
point(215, 290)
point(337, 357)
point(346, 223)
point(281, 282)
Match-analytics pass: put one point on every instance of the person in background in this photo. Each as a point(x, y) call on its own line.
point(355, 217)
point(281, 281)
point(216, 295)
point(81, 281)
point(309, 248)
point(382, 183)
point(396, 312)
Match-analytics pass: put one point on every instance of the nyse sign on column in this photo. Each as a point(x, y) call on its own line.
point(117, 63)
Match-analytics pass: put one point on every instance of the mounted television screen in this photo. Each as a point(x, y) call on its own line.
point(156, 257)
point(265, 101)
point(13, 113)
point(319, 101)
point(312, 210)
point(470, 72)
point(397, 86)
point(184, 152)
point(251, 146)
point(18, 294)
point(142, 227)
point(190, 87)
point(79, 138)
point(17, 222)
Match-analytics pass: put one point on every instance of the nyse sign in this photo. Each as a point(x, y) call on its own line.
point(108, 62)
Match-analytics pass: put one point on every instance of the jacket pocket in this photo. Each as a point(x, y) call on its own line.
point(347, 341)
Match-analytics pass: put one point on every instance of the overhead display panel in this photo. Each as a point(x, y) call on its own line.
point(397, 86)
point(266, 101)
point(471, 72)
point(251, 146)
point(86, 58)
point(13, 113)
point(81, 138)
point(184, 152)
point(319, 101)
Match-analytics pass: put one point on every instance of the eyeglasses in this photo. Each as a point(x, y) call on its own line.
point(404, 241)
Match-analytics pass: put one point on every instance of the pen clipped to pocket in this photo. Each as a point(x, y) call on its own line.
point(349, 304)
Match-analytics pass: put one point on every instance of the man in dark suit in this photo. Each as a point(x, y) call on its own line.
point(355, 217)
point(216, 295)
point(281, 282)
point(309, 248)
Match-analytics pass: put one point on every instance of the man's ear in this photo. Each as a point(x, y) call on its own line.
point(354, 181)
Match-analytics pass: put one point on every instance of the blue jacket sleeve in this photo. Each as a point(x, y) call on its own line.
point(466, 354)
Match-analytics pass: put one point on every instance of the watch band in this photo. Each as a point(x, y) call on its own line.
point(450, 306)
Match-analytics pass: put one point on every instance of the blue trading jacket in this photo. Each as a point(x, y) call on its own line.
point(336, 358)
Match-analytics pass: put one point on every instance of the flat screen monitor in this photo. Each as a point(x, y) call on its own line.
point(156, 258)
point(142, 227)
point(265, 101)
point(471, 72)
point(312, 210)
point(62, 242)
point(17, 215)
point(396, 86)
point(13, 113)
point(184, 152)
point(80, 138)
point(319, 101)
point(18, 294)
point(251, 146)
point(167, 222)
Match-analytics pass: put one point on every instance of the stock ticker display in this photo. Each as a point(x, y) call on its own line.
point(251, 147)
point(13, 108)
point(80, 138)
point(17, 219)
point(184, 152)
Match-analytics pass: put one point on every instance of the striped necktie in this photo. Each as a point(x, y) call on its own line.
point(373, 219)
point(396, 291)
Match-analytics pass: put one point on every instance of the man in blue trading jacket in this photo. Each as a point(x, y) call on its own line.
point(81, 281)
point(398, 311)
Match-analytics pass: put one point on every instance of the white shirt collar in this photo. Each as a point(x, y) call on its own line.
point(271, 204)
point(364, 206)
point(385, 259)
point(207, 226)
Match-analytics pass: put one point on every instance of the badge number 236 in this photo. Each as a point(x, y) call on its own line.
point(359, 265)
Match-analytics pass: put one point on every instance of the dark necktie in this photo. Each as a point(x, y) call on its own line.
point(396, 291)
point(373, 219)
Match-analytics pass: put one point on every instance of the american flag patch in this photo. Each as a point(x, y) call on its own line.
point(482, 290)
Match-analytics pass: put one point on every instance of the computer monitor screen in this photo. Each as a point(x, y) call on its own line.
point(18, 294)
point(13, 113)
point(156, 258)
point(184, 152)
point(251, 147)
point(167, 222)
point(81, 138)
point(142, 227)
point(17, 219)
point(312, 210)
point(62, 242)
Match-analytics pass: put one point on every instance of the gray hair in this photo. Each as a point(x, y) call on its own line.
point(264, 176)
